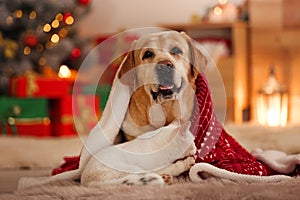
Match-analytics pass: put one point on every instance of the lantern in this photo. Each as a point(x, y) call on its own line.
point(272, 102)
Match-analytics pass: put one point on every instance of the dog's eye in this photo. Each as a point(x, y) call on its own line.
point(148, 54)
point(176, 50)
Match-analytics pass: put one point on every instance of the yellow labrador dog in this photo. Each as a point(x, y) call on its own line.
point(160, 71)
point(161, 68)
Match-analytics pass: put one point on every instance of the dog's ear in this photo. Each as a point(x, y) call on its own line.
point(197, 58)
point(127, 65)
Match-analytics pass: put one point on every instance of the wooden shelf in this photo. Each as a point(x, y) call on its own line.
point(204, 25)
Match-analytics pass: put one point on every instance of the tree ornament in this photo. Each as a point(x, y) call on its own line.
point(76, 53)
point(10, 49)
point(83, 2)
point(30, 40)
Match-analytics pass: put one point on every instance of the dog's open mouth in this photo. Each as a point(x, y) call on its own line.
point(165, 92)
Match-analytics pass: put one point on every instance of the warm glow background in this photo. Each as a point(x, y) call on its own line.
point(114, 15)
point(273, 35)
point(276, 40)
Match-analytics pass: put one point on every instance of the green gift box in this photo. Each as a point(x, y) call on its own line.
point(102, 91)
point(24, 116)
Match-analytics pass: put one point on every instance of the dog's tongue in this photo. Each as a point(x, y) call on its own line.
point(163, 87)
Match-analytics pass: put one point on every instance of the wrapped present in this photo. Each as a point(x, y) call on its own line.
point(79, 109)
point(24, 117)
point(32, 85)
point(101, 90)
point(61, 116)
point(86, 112)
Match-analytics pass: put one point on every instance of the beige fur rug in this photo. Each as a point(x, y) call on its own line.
point(209, 189)
point(49, 152)
point(30, 152)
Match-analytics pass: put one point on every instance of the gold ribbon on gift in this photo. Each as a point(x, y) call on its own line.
point(14, 122)
point(31, 86)
point(66, 119)
point(28, 121)
point(83, 118)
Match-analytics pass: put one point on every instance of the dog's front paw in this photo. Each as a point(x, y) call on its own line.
point(168, 178)
point(190, 161)
point(193, 150)
point(144, 179)
point(152, 179)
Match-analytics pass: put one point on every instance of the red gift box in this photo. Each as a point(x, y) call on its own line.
point(38, 127)
point(39, 86)
point(86, 112)
point(61, 117)
point(64, 115)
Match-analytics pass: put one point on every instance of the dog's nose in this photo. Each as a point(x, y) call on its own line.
point(164, 67)
point(165, 72)
point(164, 63)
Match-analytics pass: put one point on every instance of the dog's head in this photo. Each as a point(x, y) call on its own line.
point(163, 64)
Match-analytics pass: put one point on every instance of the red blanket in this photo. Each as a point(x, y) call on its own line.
point(215, 146)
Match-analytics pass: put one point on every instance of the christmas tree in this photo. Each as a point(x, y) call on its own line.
point(40, 36)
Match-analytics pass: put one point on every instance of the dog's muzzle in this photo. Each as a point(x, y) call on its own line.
point(165, 73)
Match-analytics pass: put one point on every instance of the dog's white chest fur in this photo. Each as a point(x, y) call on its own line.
point(157, 115)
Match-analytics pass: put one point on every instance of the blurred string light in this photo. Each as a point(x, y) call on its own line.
point(55, 23)
point(69, 20)
point(47, 28)
point(18, 13)
point(40, 47)
point(42, 61)
point(32, 15)
point(55, 38)
point(9, 20)
point(59, 17)
point(223, 11)
point(27, 50)
point(222, 2)
point(218, 10)
point(39, 28)
point(67, 73)
point(64, 72)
